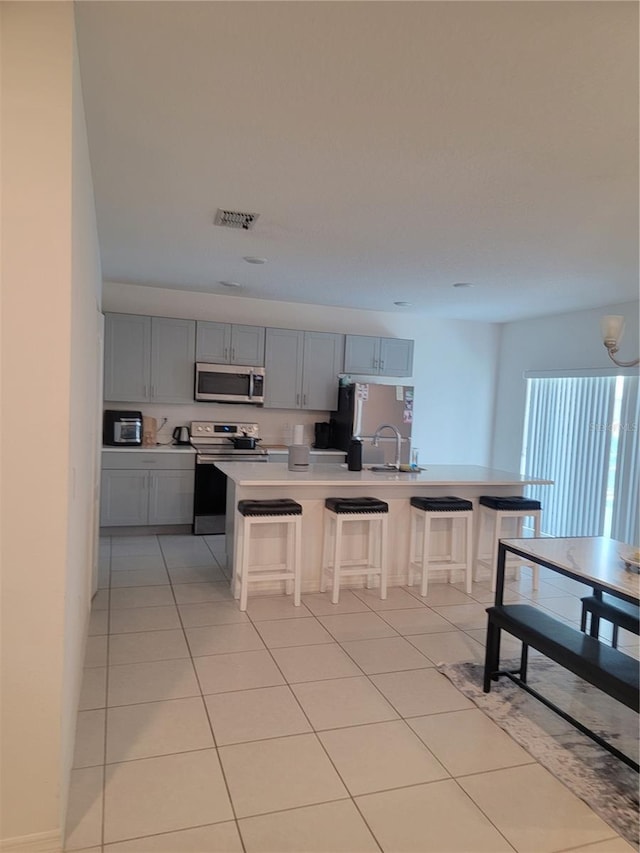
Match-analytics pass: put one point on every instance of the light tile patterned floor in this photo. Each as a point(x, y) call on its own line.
point(321, 728)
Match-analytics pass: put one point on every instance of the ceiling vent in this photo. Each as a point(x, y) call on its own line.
point(235, 219)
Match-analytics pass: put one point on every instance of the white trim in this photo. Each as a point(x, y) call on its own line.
point(38, 842)
point(573, 372)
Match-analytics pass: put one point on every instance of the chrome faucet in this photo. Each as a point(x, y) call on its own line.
point(398, 442)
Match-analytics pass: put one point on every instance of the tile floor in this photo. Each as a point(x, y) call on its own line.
point(320, 728)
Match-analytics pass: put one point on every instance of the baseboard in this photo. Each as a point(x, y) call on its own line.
point(39, 842)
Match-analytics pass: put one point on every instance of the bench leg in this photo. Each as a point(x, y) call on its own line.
point(523, 663)
point(492, 656)
point(595, 626)
point(614, 636)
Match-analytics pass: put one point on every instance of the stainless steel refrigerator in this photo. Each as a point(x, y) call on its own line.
point(362, 408)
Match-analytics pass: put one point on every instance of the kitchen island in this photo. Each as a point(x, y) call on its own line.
point(247, 480)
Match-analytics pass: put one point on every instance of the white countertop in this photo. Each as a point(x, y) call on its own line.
point(163, 448)
point(278, 474)
point(281, 450)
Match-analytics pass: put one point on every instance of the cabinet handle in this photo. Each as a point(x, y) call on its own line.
point(144, 391)
point(153, 391)
point(382, 365)
point(297, 399)
point(375, 362)
point(226, 354)
point(304, 399)
point(233, 354)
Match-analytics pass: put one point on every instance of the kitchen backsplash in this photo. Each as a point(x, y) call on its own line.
point(276, 426)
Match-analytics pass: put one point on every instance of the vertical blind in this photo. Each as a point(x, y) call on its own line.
point(567, 439)
point(625, 523)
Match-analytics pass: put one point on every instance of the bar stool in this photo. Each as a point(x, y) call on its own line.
point(492, 510)
point(251, 513)
point(453, 510)
point(341, 511)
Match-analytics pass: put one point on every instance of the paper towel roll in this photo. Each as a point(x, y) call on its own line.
point(298, 434)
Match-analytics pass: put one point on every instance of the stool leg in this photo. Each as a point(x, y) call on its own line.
point(477, 541)
point(383, 555)
point(468, 540)
point(426, 544)
point(237, 557)
point(494, 549)
point(372, 556)
point(412, 549)
point(337, 550)
point(297, 557)
point(244, 577)
point(536, 567)
point(519, 535)
point(324, 568)
point(289, 585)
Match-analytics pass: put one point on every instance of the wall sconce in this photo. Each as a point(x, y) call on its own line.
point(612, 327)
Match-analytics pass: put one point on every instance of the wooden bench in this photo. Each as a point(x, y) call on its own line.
point(622, 614)
point(606, 668)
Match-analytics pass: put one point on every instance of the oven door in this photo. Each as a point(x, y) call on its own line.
point(210, 498)
point(226, 383)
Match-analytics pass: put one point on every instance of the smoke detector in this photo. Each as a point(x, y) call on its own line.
point(235, 219)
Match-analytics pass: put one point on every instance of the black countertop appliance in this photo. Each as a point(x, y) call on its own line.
point(322, 440)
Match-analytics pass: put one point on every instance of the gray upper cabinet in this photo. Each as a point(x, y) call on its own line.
point(173, 344)
point(228, 343)
point(148, 359)
point(378, 356)
point(284, 349)
point(396, 357)
point(323, 359)
point(302, 369)
point(127, 357)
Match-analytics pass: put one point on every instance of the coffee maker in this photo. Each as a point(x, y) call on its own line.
point(322, 439)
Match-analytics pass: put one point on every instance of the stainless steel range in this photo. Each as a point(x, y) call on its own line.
point(218, 442)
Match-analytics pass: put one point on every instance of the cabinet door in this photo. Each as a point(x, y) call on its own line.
point(213, 342)
point(173, 348)
point(247, 345)
point(127, 365)
point(171, 497)
point(124, 498)
point(323, 358)
point(284, 349)
point(396, 357)
point(362, 354)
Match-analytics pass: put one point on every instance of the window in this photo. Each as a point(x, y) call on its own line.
point(582, 433)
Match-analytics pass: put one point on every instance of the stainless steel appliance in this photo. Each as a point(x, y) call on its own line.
point(181, 435)
point(121, 428)
point(211, 441)
point(362, 408)
point(229, 383)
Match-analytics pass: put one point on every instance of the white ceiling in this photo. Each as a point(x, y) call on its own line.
point(390, 148)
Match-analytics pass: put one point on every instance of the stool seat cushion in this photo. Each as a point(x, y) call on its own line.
point(277, 506)
point(360, 505)
point(448, 503)
point(512, 503)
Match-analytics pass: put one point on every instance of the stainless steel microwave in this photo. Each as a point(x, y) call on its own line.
point(229, 383)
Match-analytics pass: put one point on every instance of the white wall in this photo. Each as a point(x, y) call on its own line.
point(49, 287)
point(549, 343)
point(454, 365)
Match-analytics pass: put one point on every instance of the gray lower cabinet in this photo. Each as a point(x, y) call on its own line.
point(230, 343)
point(146, 487)
point(148, 359)
point(302, 369)
point(378, 356)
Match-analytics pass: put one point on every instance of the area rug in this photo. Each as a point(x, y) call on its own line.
point(601, 780)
